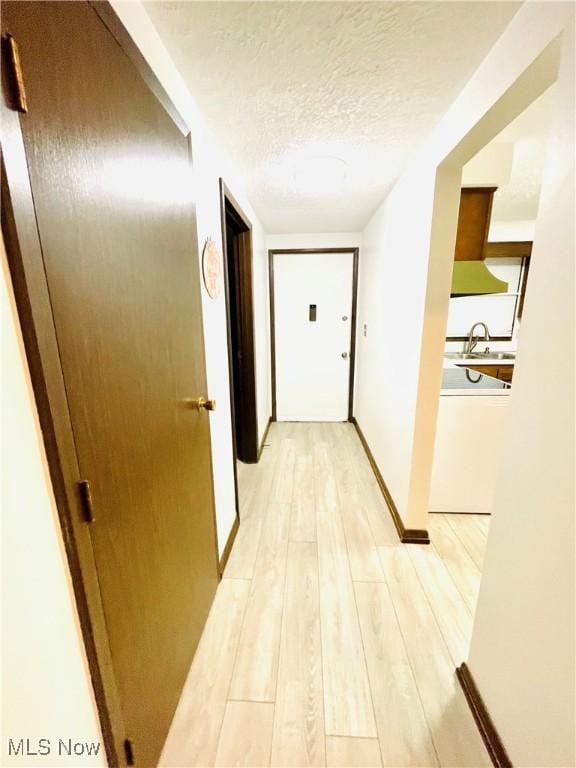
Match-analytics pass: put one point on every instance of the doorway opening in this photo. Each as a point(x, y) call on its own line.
point(482, 337)
point(313, 295)
point(485, 314)
point(237, 248)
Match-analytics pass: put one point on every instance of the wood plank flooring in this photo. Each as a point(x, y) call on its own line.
point(330, 643)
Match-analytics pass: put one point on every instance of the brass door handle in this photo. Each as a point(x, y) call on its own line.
point(201, 403)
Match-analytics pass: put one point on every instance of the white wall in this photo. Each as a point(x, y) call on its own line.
point(471, 430)
point(392, 289)
point(316, 240)
point(523, 644)
point(46, 689)
point(211, 163)
point(522, 651)
point(491, 167)
point(403, 295)
point(502, 231)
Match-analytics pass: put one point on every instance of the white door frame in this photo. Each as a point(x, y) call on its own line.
point(355, 254)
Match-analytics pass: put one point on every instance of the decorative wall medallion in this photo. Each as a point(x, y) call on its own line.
point(212, 268)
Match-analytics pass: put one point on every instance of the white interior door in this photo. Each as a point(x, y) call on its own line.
point(313, 322)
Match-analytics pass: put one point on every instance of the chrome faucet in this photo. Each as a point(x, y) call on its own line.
point(473, 340)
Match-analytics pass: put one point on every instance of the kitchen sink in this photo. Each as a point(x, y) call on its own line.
point(480, 355)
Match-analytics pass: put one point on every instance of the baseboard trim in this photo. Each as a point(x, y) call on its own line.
point(228, 548)
point(264, 436)
point(490, 736)
point(451, 512)
point(406, 535)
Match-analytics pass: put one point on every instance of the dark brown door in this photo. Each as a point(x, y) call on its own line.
point(237, 239)
point(111, 180)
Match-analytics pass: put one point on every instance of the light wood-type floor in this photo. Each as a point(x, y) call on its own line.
point(329, 643)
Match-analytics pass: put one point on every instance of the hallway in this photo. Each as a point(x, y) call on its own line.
point(329, 643)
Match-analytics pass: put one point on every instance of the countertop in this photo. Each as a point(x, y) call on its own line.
point(481, 361)
point(459, 380)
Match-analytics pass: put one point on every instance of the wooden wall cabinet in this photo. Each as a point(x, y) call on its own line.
point(473, 223)
point(502, 372)
point(505, 372)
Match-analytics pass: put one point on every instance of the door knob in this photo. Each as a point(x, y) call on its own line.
point(344, 355)
point(201, 403)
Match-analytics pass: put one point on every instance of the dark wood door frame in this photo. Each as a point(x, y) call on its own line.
point(21, 237)
point(247, 448)
point(355, 254)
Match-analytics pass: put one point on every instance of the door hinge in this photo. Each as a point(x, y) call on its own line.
point(129, 751)
point(17, 98)
point(86, 500)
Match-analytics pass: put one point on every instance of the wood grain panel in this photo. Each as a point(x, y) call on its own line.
point(282, 489)
point(242, 559)
point(299, 717)
point(349, 655)
point(470, 536)
point(247, 478)
point(346, 752)
point(402, 728)
point(452, 614)
point(456, 739)
point(482, 522)
point(195, 730)
point(300, 433)
point(347, 699)
point(303, 521)
point(253, 511)
point(373, 503)
point(254, 677)
point(463, 570)
point(246, 735)
point(362, 551)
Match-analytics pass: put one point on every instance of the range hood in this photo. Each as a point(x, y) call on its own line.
point(473, 278)
point(470, 275)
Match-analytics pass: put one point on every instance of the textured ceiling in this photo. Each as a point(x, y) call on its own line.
point(519, 199)
point(282, 82)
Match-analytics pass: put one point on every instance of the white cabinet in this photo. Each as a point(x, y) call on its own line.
point(467, 452)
